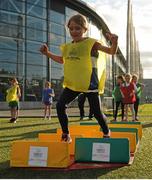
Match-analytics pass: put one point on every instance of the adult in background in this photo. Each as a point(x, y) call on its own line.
point(81, 101)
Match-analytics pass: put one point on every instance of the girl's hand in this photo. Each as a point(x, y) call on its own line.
point(52, 95)
point(44, 49)
point(112, 37)
point(131, 94)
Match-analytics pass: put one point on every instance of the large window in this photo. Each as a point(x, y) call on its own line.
point(23, 28)
point(12, 41)
point(56, 38)
point(13, 5)
point(36, 35)
point(69, 12)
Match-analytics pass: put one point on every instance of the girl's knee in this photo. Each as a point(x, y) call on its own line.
point(60, 106)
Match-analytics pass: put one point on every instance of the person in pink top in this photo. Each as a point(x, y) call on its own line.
point(128, 92)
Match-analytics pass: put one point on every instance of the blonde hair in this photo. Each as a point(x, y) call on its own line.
point(14, 80)
point(47, 83)
point(134, 76)
point(80, 20)
point(127, 75)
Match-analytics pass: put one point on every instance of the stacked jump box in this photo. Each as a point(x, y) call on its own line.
point(120, 125)
point(87, 146)
point(112, 150)
point(39, 154)
point(121, 146)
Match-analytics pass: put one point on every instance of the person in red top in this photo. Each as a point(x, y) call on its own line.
point(128, 92)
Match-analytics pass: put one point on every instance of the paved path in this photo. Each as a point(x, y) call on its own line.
point(40, 112)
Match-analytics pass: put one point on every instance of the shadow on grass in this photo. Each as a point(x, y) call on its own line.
point(2, 147)
point(16, 126)
point(28, 135)
point(147, 125)
point(26, 126)
point(30, 173)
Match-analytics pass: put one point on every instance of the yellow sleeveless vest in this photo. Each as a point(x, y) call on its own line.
point(12, 94)
point(78, 65)
point(101, 65)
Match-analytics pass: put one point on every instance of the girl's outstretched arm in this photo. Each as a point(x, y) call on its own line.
point(44, 50)
point(110, 50)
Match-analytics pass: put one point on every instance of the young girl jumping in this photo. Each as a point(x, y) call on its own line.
point(79, 71)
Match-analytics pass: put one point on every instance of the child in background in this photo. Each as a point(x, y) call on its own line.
point(47, 98)
point(116, 93)
point(76, 57)
point(12, 97)
point(128, 92)
point(138, 92)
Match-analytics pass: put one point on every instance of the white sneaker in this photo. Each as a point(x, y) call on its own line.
point(66, 137)
point(107, 135)
point(137, 118)
point(13, 120)
point(44, 118)
point(125, 119)
point(49, 118)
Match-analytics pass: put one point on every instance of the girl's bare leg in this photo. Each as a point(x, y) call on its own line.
point(49, 112)
point(125, 112)
point(45, 111)
point(132, 111)
point(17, 113)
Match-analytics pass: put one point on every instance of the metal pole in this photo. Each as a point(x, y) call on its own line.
point(48, 60)
point(113, 81)
point(128, 38)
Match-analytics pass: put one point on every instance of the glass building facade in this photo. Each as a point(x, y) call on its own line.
point(24, 26)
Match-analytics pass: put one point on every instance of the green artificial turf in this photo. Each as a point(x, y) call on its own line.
point(28, 128)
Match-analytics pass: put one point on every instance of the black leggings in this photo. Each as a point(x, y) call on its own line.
point(81, 102)
point(122, 109)
point(136, 105)
point(68, 96)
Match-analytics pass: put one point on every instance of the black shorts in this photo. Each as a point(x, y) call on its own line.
point(47, 103)
point(14, 104)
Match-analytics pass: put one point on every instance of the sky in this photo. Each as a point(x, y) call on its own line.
point(114, 12)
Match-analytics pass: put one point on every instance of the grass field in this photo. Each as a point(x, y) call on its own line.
point(27, 128)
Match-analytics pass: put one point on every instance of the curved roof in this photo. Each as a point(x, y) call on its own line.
point(85, 9)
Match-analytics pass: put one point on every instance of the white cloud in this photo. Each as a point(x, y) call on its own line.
point(115, 12)
point(147, 73)
point(111, 10)
point(147, 61)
